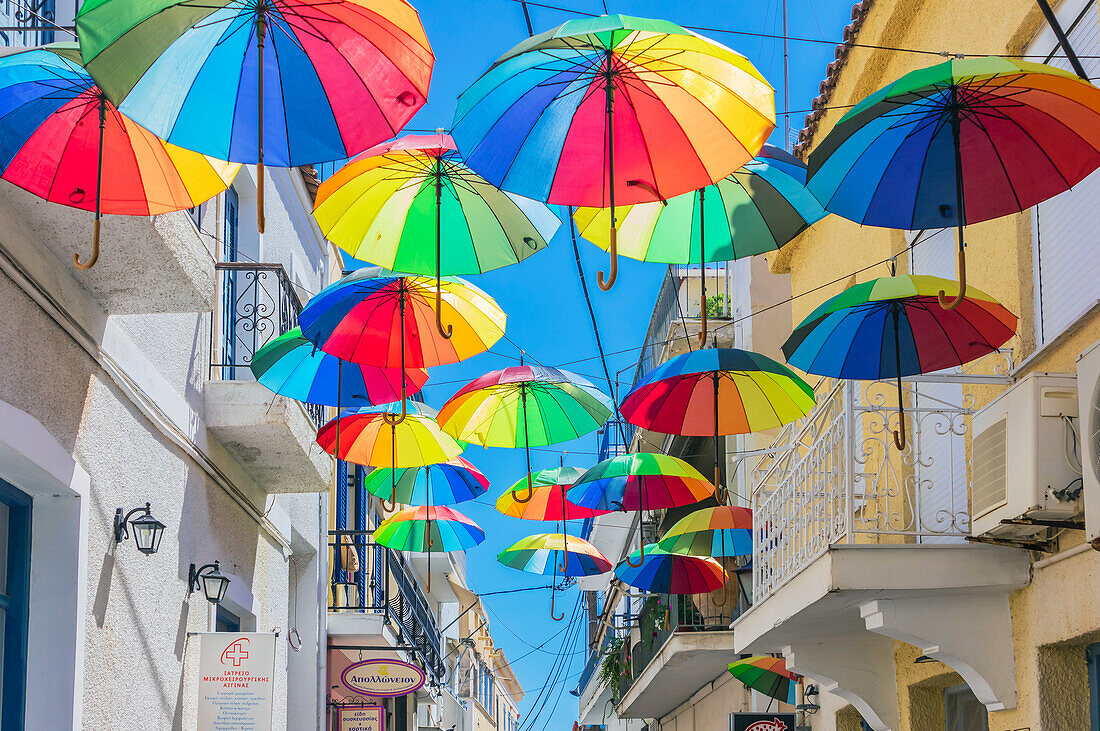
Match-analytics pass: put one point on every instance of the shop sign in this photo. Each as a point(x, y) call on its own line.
point(763, 722)
point(360, 718)
point(236, 680)
point(382, 678)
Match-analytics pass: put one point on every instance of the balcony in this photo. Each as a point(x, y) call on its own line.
point(272, 437)
point(680, 643)
point(858, 544)
point(380, 600)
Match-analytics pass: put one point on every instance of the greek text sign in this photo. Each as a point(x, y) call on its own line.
point(236, 679)
point(763, 722)
point(382, 678)
point(360, 718)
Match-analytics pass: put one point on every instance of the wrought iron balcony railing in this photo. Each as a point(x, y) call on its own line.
point(256, 304)
point(835, 476)
point(368, 578)
point(664, 615)
point(28, 24)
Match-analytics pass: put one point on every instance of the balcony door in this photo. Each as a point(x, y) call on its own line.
point(939, 490)
point(15, 530)
point(230, 253)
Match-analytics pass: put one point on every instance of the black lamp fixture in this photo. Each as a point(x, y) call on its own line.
point(147, 529)
point(214, 582)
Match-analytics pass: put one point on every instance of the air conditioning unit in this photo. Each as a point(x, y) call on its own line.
point(1088, 426)
point(1020, 468)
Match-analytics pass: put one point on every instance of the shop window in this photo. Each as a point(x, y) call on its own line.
point(226, 621)
point(15, 557)
point(962, 711)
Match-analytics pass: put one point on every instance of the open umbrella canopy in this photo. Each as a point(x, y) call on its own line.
point(428, 530)
point(640, 481)
point(64, 141)
point(365, 437)
point(535, 120)
point(389, 321)
point(661, 572)
point(445, 483)
point(893, 326)
point(548, 500)
point(292, 366)
point(525, 406)
point(1025, 132)
point(544, 553)
point(338, 75)
point(964, 141)
point(751, 392)
point(767, 675)
point(389, 204)
point(613, 109)
point(760, 207)
point(722, 532)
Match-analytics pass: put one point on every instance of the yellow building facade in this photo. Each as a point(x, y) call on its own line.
point(1040, 265)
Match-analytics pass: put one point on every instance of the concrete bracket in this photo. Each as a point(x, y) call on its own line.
point(970, 633)
point(859, 670)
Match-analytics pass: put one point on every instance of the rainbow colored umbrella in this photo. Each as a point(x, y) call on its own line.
point(720, 532)
point(892, 327)
point(613, 110)
point(640, 481)
point(428, 530)
point(370, 436)
point(551, 553)
point(392, 202)
point(445, 483)
point(717, 392)
point(661, 572)
point(547, 500)
point(389, 321)
point(964, 141)
point(292, 366)
point(525, 406)
point(758, 208)
point(767, 675)
point(59, 134)
point(341, 75)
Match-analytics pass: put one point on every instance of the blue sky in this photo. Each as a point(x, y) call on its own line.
point(547, 316)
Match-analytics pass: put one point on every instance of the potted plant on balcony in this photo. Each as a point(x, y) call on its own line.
point(615, 667)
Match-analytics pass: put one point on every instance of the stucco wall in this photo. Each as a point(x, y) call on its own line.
point(139, 612)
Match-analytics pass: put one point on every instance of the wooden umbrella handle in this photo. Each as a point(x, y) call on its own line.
point(942, 296)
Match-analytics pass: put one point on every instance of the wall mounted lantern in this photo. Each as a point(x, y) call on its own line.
point(147, 529)
point(213, 581)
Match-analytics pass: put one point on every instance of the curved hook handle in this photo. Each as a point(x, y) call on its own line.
point(554, 616)
point(641, 558)
point(942, 296)
point(85, 266)
point(613, 270)
point(530, 491)
point(899, 433)
point(390, 505)
point(394, 420)
point(563, 567)
point(725, 594)
point(445, 332)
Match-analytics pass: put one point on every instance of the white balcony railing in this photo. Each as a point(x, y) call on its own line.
point(835, 476)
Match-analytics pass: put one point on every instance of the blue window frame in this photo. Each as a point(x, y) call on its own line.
point(1092, 660)
point(15, 560)
point(229, 294)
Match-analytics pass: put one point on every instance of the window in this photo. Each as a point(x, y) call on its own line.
point(1092, 660)
point(229, 294)
point(15, 558)
point(962, 711)
point(1064, 227)
point(226, 621)
point(196, 215)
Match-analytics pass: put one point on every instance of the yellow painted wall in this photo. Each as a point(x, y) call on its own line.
point(1058, 614)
